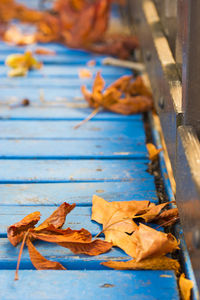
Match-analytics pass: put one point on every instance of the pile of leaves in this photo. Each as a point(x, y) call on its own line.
point(78, 241)
point(77, 24)
point(125, 96)
point(147, 246)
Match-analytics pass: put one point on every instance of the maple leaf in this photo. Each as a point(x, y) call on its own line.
point(123, 96)
point(156, 263)
point(116, 218)
point(185, 286)
point(78, 241)
point(118, 227)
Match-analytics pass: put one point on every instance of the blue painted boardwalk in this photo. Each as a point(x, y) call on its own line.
point(44, 161)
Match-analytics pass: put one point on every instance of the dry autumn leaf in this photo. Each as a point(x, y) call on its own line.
point(44, 51)
point(152, 212)
point(156, 263)
point(153, 151)
point(78, 24)
point(21, 63)
point(15, 36)
point(78, 241)
point(185, 286)
point(16, 231)
point(39, 261)
point(124, 96)
point(84, 73)
point(167, 217)
point(150, 242)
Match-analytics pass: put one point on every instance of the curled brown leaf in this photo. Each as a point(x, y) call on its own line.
point(39, 261)
point(156, 263)
point(151, 243)
point(57, 218)
point(16, 231)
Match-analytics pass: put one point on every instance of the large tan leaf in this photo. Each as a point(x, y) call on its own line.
point(151, 243)
point(39, 261)
point(157, 263)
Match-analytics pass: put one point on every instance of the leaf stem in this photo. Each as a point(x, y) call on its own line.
point(20, 255)
point(95, 111)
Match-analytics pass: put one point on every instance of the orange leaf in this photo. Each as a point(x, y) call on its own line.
point(157, 263)
point(78, 241)
point(16, 231)
point(153, 152)
point(168, 217)
point(57, 218)
point(186, 286)
point(151, 243)
point(44, 51)
point(15, 36)
point(39, 261)
point(152, 213)
point(116, 220)
point(95, 247)
point(85, 73)
point(91, 63)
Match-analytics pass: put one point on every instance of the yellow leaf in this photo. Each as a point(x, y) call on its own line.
point(185, 287)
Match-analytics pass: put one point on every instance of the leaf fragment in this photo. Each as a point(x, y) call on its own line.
point(156, 263)
point(151, 243)
point(167, 217)
point(85, 73)
point(39, 261)
point(16, 231)
point(57, 218)
point(185, 286)
point(78, 241)
point(153, 151)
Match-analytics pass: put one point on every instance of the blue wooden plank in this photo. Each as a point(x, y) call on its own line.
point(50, 94)
point(65, 130)
point(15, 171)
point(71, 261)
point(79, 193)
point(54, 149)
point(74, 83)
point(54, 71)
point(63, 59)
point(73, 285)
point(79, 217)
point(42, 112)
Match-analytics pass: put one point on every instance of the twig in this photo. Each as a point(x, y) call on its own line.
point(88, 118)
point(167, 222)
point(124, 64)
point(20, 255)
